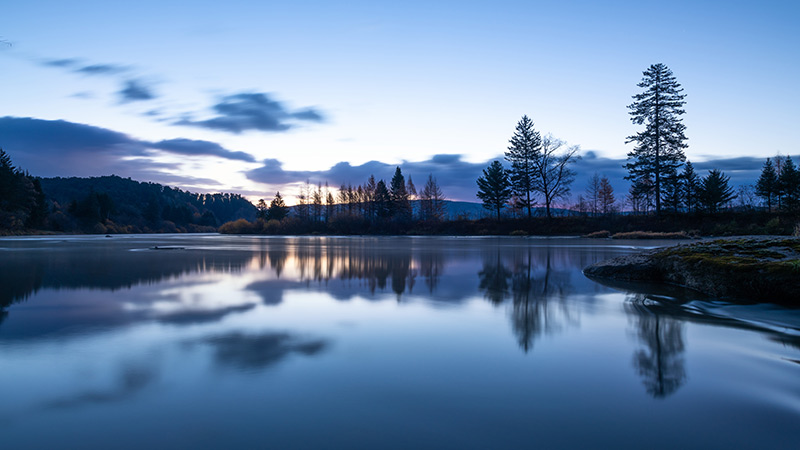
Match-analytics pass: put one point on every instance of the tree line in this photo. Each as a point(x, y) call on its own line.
point(662, 179)
point(374, 206)
point(108, 204)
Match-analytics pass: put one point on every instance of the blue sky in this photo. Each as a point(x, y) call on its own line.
point(253, 97)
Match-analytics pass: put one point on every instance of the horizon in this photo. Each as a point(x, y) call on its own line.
point(263, 98)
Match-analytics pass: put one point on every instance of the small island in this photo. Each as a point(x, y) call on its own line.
point(763, 269)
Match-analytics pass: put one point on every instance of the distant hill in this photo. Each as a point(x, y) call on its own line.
point(125, 205)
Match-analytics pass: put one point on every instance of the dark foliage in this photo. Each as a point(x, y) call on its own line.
point(715, 191)
point(494, 188)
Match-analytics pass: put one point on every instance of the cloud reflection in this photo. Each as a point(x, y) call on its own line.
point(253, 352)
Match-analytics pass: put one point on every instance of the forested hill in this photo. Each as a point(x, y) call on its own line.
point(120, 205)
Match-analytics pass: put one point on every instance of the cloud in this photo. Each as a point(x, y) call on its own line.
point(101, 69)
point(198, 147)
point(455, 176)
point(252, 111)
point(136, 90)
point(256, 352)
point(67, 62)
point(60, 148)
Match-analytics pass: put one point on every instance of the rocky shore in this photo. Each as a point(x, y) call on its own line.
point(763, 269)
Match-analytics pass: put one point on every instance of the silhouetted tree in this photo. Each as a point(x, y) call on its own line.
point(494, 188)
point(659, 147)
point(606, 196)
point(672, 192)
point(382, 201)
point(691, 187)
point(524, 151)
point(262, 209)
point(640, 195)
point(432, 206)
point(767, 184)
point(277, 208)
point(399, 206)
point(592, 201)
point(552, 173)
point(715, 191)
point(789, 183)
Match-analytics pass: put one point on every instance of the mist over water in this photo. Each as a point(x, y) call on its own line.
point(211, 341)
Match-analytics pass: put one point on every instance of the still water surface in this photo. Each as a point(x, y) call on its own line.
point(264, 342)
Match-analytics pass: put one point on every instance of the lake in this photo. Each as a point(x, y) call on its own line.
point(212, 341)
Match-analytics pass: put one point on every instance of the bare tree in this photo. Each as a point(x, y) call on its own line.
point(606, 196)
point(593, 194)
point(553, 175)
point(432, 205)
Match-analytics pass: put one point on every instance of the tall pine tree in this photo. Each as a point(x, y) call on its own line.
point(523, 153)
point(659, 147)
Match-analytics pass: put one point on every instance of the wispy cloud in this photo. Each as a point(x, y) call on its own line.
point(252, 111)
point(136, 90)
point(101, 69)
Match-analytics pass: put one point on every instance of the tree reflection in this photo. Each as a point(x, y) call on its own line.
point(661, 362)
point(538, 291)
point(494, 280)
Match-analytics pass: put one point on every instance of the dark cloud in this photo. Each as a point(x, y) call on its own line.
point(197, 147)
point(100, 69)
point(68, 62)
point(252, 111)
point(136, 90)
point(457, 177)
point(60, 148)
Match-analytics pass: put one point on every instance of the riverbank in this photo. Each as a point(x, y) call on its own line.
point(755, 268)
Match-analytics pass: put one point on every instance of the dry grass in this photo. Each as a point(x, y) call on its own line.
point(602, 234)
point(651, 235)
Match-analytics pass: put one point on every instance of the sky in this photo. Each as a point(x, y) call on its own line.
point(256, 97)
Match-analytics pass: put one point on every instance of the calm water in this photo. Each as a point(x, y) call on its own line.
point(248, 342)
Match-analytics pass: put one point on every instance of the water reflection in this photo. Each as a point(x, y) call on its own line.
point(538, 289)
point(250, 352)
point(660, 362)
point(131, 380)
point(283, 332)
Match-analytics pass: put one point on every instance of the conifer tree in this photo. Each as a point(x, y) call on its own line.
point(277, 208)
point(400, 207)
point(767, 184)
point(494, 188)
point(789, 182)
point(606, 196)
point(524, 151)
point(382, 201)
point(691, 185)
point(659, 147)
point(262, 209)
point(715, 191)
